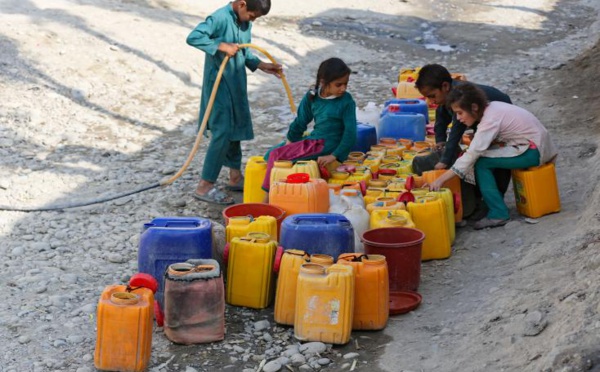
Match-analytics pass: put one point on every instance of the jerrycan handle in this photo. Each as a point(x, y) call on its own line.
point(298, 178)
point(181, 224)
point(278, 256)
point(310, 220)
point(457, 201)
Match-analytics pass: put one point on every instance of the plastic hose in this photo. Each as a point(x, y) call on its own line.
point(167, 180)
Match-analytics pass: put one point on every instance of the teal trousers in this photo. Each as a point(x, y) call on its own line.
point(484, 174)
point(221, 152)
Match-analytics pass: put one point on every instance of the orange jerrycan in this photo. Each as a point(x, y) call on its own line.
point(302, 196)
point(453, 184)
point(429, 215)
point(240, 226)
point(324, 260)
point(285, 296)
point(124, 335)
point(324, 303)
point(446, 195)
point(250, 270)
point(371, 290)
point(256, 170)
point(536, 190)
point(391, 218)
point(194, 302)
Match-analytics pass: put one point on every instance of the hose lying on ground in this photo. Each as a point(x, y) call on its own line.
point(167, 180)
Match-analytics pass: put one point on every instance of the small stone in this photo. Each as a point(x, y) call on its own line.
point(238, 349)
point(87, 357)
point(267, 337)
point(298, 359)
point(272, 366)
point(261, 324)
point(117, 258)
point(312, 348)
point(324, 361)
point(17, 251)
point(534, 324)
point(84, 369)
point(351, 355)
point(24, 339)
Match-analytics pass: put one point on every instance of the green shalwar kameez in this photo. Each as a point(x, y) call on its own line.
point(230, 121)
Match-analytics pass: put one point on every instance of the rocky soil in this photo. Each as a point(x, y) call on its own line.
point(99, 97)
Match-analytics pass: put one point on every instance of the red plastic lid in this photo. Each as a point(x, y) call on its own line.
point(324, 172)
point(158, 314)
point(387, 172)
point(406, 197)
point(403, 302)
point(278, 256)
point(410, 183)
point(144, 280)
point(394, 90)
point(298, 178)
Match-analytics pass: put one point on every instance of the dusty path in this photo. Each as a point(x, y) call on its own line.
point(101, 96)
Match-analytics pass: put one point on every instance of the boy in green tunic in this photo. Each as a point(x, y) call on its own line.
point(230, 122)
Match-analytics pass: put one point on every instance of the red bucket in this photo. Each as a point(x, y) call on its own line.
point(255, 210)
point(401, 247)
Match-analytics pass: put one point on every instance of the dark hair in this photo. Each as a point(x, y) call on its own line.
point(465, 95)
point(329, 70)
point(433, 76)
point(263, 6)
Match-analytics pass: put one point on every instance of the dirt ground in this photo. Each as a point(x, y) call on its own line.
point(101, 96)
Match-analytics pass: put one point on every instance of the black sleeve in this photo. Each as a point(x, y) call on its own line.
point(442, 120)
point(453, 143)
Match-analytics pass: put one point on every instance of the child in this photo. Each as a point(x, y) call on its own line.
point(435, 83)
point(508, 137)
point(230, 121)
point(334, 112)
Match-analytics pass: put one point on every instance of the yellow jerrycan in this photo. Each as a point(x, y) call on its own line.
point(324, 303)
point(240, 226)
point(371, 290)
point(390, 218)
point(124, 329)
point(446, 195)
point(536, 190)
point(429, 215)
point(385, 203)
point(250, 270)
point(256, 170)
point(285, 296)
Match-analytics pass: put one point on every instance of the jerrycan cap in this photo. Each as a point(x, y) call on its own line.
point(404, 301)
point(298, 178)
point(143, 280)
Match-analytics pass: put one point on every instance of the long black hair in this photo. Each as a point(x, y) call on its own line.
point(465, 95)
point(329, 70)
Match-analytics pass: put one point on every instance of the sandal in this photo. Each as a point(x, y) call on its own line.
point(239, 186)
point(487, 222)
point(215, 196)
